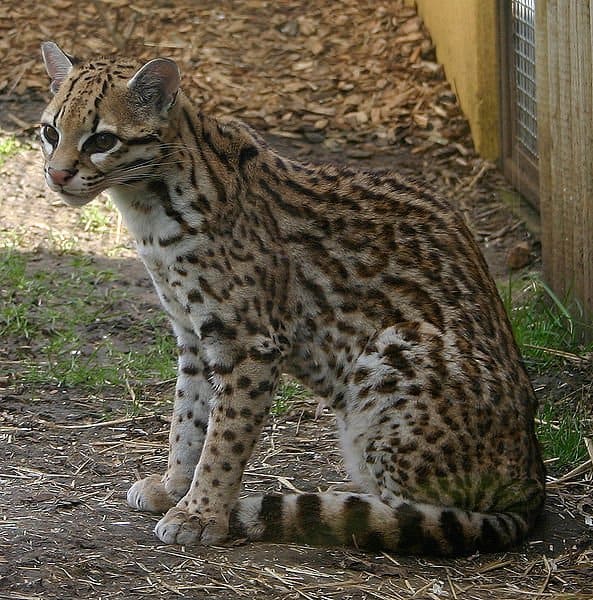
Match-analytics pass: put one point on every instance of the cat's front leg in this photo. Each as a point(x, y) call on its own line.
point(189, 423)
point(241, 404)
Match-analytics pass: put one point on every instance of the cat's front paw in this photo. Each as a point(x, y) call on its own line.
point(179, 526)
point(149, 494)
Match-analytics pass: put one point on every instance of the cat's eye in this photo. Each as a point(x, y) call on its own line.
point(50, 134)
point(100, 142)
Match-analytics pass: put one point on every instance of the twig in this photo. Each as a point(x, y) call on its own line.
point(544, 585)
point(493, 566)
point(98, 424)
point(287, 583)
point(451, 586)
point(485, 167)
point(568, 355)
point(282, 480)
point(571, 474)
point(504, 231)
point(589, 446)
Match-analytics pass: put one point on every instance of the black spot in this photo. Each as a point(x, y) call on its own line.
point(201, 425)
point(339, 401)
point(388, 385)
point(396, 358)
point(223, 370)
point(164, 242)
point(270, 515)
point(247, 153)
point(201, 204)
point(192, 258)
point(435, 387)
point(357, 528)
point(266, 355)
point(310, 527)
point(413, 539)
point(490, 539)
point(195, 296)
point(229, 435)
point(261, 389)
point(190, 370)
point(244, 382)
point(238, 448)
point(213, 325)
point(453, 532)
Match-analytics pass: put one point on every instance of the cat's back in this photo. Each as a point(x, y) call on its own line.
point(374, 229)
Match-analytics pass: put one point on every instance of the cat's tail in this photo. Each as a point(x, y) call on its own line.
point(364, 521)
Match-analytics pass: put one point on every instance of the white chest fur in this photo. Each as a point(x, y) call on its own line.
point(142, 213)
point(151, 226)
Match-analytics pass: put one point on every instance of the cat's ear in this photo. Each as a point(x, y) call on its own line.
point(157, 83)
point(57, 64)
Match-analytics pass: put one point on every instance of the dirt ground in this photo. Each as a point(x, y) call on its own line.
point(68, 455)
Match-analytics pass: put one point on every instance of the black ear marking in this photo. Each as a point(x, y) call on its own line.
point(57, 64)
point(157, 83)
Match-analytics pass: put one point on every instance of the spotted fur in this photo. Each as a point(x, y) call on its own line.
point(366, 286)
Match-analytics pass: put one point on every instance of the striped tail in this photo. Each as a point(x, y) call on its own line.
point(364, 521)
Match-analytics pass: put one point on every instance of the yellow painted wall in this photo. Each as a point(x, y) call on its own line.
point(465, 36)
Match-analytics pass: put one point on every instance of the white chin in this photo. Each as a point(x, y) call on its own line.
point(72, 200)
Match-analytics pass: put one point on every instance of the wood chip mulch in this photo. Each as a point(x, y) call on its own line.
point(357, 77)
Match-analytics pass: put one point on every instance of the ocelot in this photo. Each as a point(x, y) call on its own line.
point(365, 285)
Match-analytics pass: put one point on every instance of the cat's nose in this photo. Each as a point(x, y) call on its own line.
point(61, 176)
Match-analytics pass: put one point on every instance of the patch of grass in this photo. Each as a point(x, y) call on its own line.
point(71, 329)
point(13, 238)
point(62, 243)
point(157, 360)
point(561, 429)
point(548, 329)
point(9, 146)
point(13, 315)
point(549, 332)
point(98, 217)
point(288, 392)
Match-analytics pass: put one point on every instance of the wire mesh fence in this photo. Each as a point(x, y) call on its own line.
point(523, 40)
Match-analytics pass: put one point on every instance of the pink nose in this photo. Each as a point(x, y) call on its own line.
point(61, 177)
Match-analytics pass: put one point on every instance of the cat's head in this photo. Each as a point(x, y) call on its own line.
point(106, 123)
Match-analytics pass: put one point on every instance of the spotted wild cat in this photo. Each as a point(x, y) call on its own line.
point(364, 285)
